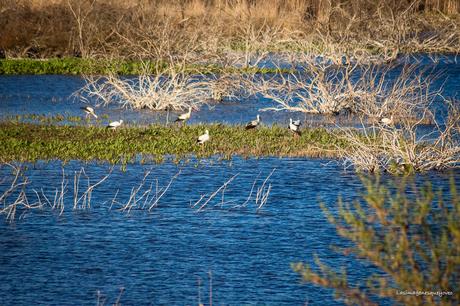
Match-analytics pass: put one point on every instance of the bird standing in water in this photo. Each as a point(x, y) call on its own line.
point(184, 117)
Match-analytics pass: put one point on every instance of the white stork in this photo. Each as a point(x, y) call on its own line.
point(113, 125)
point(89, 111)
point(253, 123)
point(203, 138)
point(294, 126)
point(184, 117)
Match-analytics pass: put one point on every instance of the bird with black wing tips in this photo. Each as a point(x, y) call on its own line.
point(294, 126)
point(115, 124)
point(89, 111)
point(253, 124)
point(185, 116)
point(203, 138)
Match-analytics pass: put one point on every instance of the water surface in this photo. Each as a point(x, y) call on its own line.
point(158, 257)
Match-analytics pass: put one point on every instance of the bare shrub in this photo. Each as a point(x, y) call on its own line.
point(171, 89)
point(407, 147)
point(370, 92)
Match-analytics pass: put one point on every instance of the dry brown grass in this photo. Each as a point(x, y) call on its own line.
point(38, 28)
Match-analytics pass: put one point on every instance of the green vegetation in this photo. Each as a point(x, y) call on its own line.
point(78, 66)
point(29, 142)
point(70, 66)
point(414, 239)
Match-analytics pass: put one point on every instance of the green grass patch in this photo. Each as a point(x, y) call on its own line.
point(31, 142)
point(75, 66)
point(79, 66)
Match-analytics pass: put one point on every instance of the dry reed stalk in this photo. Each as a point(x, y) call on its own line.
point(144, 196)
point(260, 198)
point(85, 197)
point(212, 195)
point(15, 195)
point(263, 192)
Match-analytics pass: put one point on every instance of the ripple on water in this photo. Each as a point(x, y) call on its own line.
point(159, 257)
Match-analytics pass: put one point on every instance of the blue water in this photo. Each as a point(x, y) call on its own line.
point(51, 95)
point(158, 257)
point(169, 255)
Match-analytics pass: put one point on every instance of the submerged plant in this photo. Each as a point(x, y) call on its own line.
point(414, 239)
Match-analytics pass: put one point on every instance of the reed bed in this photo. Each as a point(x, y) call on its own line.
point(74, 191)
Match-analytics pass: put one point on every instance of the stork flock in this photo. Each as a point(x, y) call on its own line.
point(293, 126)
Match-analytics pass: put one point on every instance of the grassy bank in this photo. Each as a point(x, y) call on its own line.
point(79, 66)
point(29, 142)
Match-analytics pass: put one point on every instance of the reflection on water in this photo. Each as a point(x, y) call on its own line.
point(51, 95)
point(158, 257)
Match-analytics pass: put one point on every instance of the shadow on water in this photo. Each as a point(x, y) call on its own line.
point(158, 257)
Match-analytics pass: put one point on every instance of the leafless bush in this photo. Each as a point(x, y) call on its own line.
point(226, 86)
point(370, 92)
point(172, 89)
point(407, 147)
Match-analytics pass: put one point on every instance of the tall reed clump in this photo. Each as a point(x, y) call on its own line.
point(414, 240)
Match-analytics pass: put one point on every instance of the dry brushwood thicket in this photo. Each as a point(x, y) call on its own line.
point(212, 30)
